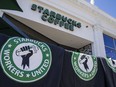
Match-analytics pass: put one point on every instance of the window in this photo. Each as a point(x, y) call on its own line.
point(110, 46)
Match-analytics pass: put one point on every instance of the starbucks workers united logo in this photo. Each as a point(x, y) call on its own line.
point(25, 60)
point(85, 66)
point(111, 63)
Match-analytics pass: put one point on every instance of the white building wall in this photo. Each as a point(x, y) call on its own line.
point(89, 15)
point(98, 45)
point(62, 8)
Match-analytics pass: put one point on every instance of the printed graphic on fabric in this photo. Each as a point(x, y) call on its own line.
point(28, 56)
point(25, 60)
point(111, 63)
point(26, 52)
point(85, 66)
point(84, 60)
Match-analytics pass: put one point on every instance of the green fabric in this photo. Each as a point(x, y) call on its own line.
point(9, 5)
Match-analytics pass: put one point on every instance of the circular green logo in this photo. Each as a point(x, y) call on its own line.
point(85, 66)
point(25, 60)
point(111, 63)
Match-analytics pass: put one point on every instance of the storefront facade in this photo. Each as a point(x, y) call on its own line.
point(72, 24)
point(44, 43)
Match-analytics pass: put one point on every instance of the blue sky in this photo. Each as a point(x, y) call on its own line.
point(109, 6)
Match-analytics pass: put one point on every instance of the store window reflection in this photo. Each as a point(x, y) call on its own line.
point(110, 46)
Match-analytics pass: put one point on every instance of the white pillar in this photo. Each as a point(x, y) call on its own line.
point(98, 45)
point(1, 13)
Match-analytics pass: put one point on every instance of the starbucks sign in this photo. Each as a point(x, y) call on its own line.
point(85, 66)
point(25, 60)
point(56, 18)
